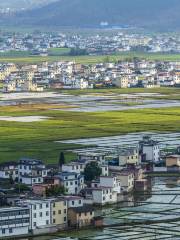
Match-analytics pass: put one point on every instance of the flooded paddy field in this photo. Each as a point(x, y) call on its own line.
point(109, 144)
point(91, 102)
point(147, 216)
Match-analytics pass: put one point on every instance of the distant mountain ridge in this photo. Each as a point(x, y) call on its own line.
point(161, 14)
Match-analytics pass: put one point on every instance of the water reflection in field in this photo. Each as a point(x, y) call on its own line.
point(160, 205)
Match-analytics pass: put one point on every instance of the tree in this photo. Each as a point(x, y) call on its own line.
point(92, 171)
point(20, 187)
point(55, 191)
point(61, 159)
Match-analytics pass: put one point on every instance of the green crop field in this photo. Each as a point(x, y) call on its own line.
point(58, 51)
point(92, 59)
point(37, 139)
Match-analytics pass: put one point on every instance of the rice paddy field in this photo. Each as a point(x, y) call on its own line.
point(23, 58)
point(38, 125)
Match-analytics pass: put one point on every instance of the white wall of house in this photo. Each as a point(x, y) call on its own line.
point(104, 196)
point(152, 153)
point(127, 181)
point(77, 168)
point(40, 213)
point(30, 180)
point(14, 221)
point(111, 182)
point(74, 201)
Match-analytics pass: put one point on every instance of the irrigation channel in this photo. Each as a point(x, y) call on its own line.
point(145, 216)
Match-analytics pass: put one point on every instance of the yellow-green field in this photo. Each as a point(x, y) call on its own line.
point(92, 59)
point(37, 139)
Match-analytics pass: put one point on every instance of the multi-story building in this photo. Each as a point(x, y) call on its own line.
point(76, 167)
point(9, 170)
point(14, 221)
point(128, 156)
point(149, 150)
point(59, 208)
point(80, 216)
point(40, 214)
point(31, 171)
point(72, 182)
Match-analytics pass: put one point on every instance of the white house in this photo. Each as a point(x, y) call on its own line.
point(8, 170)
point(72, 182)
point(149, 150)
point(76, 167)
point(126, 177)
point(14, 221)
point(99, 195)
point(112, 182)
point(31, 171)
point(74, 201)
point(40, 213)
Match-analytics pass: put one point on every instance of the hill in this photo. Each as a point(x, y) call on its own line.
point(161, 14)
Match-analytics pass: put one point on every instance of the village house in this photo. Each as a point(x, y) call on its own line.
point(125, 176)
point(80, 216)
point(40, 214)
point(76, 167)
point(173, 163)
point(9, 170)
point(74, 201)
point(59, 212)
point(149, 150)
point(31, 171)
point(71, 181)
point(128, 156)
point(102, 192)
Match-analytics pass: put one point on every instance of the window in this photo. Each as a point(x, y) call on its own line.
point(64, 210)
point(34, 215)
point(10, 230)
point(64, 219)
point(79, 214)
point(59, 211)
point(71, 183)
point(34, 207)
point(66, 183)
point(40, 214)
point(34, 224)
point(40, 206)
point(47, 222)
point(47, 213)
point(54, 220)
point(79, 201)
point(72, 202)
point(54, 204)
point(47, 205)
point(3, 231)
point(54, 212)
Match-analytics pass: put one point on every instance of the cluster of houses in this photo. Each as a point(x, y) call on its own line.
point(71, 75)
point(32, 211)
point(38, 43)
